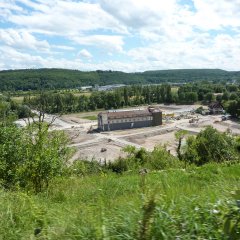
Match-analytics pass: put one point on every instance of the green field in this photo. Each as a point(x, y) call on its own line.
point(174, 89)
point(18, 99)
point(92, 117)
point(172, 204)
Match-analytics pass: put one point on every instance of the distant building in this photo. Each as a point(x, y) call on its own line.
point(84, 88)
point(127, 119)
point(216, 108)
point(110, 87)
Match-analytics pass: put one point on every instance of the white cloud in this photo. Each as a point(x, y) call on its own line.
point(66, 17)
point(16, 60)
point(107, 42)
point(85, 54)
point(211, 14)
point(163, 34)
point(139, 13)
point(203, 51)
point(22, 39)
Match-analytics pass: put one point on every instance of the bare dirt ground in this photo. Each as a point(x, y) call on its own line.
point(90, 146)
point(95, 152)
point(167, 139)
point(79, 135)
point(214, 121)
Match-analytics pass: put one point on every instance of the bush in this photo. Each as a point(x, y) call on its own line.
point(31, 159)
point(12, 155)
point(210, 145)
point(119, 166)
point(84, 167)
point(160, 159)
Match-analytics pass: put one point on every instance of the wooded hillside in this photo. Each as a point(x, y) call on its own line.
point(62, 78)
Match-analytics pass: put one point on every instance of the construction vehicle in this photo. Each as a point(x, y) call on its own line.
point(193, 120)
point(168, 115)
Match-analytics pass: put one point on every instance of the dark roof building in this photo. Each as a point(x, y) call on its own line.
point(216, 108)
point(127, 119)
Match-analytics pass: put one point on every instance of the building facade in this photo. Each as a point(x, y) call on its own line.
point(127, 119)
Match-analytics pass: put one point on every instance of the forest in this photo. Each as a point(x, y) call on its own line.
point(31, 79)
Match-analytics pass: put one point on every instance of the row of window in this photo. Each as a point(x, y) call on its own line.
point(130, 120)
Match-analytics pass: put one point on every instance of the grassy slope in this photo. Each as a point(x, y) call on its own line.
point(109, 206)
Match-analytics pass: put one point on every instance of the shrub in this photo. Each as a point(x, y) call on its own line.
point(119, 166)
point(84, 167)
point(210, 145)
point(161, 159)
point(232, 218)
point(31, 159)
point(12, 154)
point(158, 159)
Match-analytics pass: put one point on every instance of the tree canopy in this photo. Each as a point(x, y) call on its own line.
point(30, 79)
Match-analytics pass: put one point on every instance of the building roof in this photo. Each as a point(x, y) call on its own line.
point(119, 114)
point(129, 114)
point(215, 105)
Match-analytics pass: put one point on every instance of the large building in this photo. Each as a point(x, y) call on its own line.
point(127, 119)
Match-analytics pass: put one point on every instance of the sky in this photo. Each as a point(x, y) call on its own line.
point(124, 35)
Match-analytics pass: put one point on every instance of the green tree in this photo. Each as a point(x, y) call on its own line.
point(209, 97)
point(210, 146)
point(12, 155)
point(126, 96)
point(191, 97)
point(169, 98)
point(233, 108)
point(46, 157)
point(180, 136)
point(225, 96)
point(32, 157)
point(23, 111)
point(58, 103)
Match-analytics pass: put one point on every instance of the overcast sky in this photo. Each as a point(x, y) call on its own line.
point(127, 35)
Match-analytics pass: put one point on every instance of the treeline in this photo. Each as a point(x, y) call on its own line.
point(137, 95)
point(127, 96)
point(10, 110)
point(33, 79)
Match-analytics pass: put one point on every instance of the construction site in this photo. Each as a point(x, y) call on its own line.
point(108, 145)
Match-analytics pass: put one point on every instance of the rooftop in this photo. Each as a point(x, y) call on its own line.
point(118, 114)
point(215, 105)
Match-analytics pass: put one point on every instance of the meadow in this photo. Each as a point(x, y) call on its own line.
point(169, 204)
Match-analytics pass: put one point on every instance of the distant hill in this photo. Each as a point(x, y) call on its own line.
point(26, 79)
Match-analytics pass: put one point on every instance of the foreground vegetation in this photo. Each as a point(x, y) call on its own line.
point(173, 204)
point(147, 195)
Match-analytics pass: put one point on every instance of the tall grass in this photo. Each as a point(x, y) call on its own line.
point(171, 204)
